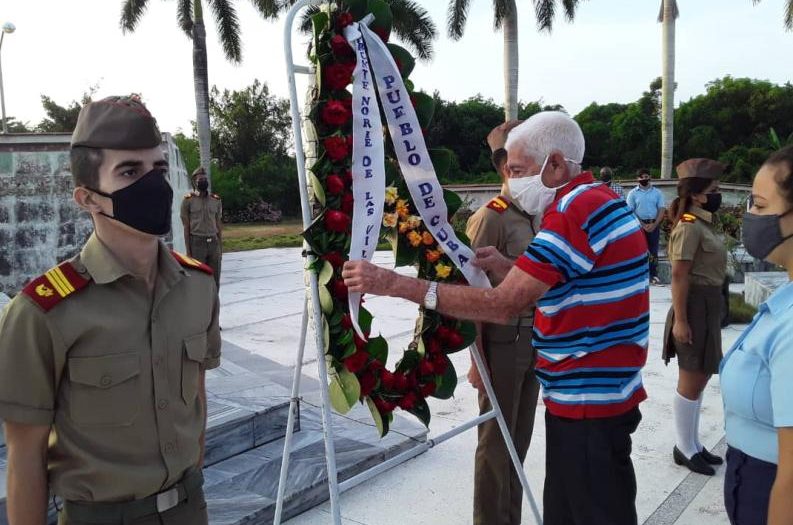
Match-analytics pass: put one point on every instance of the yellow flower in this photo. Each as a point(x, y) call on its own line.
point(402, 208)
point(414, 221)
point(414, 239)
point(442, 271)
point(390, 195)
point(389, 220)
point(403, 227)
point(432, 256)
point(427, 238)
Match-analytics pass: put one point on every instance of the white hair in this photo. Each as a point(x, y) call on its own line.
point(546, 132)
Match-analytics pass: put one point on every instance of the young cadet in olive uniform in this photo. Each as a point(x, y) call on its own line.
point(201, 216)
point(507, 349)
point(693, 326)
point(102, 358)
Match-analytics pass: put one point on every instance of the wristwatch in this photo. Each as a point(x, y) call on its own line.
point(431, 299)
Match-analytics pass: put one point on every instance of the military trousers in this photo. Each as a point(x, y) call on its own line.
point(207, 249)
point(498, 494)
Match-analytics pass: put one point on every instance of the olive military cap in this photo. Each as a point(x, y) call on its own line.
point(116, 123)
point(198, 171)
point(700, 168)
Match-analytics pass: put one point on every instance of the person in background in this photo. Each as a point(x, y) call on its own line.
point(201, 215)
point(508, 354)
point(647, 202)
point(606, 175)
point(693, 325)
point(756, 373)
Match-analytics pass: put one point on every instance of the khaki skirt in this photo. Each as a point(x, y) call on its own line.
point(704, 317)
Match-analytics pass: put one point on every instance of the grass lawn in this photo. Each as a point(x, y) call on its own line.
point(242, 237)
point(740, 311)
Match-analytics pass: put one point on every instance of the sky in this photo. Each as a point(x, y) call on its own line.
point(610, 53)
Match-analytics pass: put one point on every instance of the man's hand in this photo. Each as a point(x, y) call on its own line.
point(365, 277)
point(490, 260)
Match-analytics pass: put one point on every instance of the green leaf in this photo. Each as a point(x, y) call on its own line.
point(365, 319)
point(325, 300)
point(358, 8)
point(409, 361)
point(351, 386)
point(383, 18)
point(453, 201)
point(338, 397)
point(346, 339)
point(422, 411)
point(326, 273)
point(382, 425)
point(447, 383)
point(405, 253)
point(409, 85)
point(378, 348)
point(349, 350)
point(403, 58)
point(441, 161)
point(425, 108)
point(468, 331)
point(325, 334)
point(316, 187)
point(319, 22)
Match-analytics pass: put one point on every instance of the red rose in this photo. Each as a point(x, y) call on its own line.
point(408, 401)
point(334, 258)
point(428, 389)
point(383, 33)
point(340, 46)
point(432, 345)
point(442, 333)
point(454, 339)
point(347, 203)
point(339, 289)
point(334, 184)
point(401, 382)
point(336, 148)
point(346, 321)
point(348, 177)
point(343, 20)
point(335, 113)
point(337, 221)
point(347, 104)
point(425, 367)
point(440, 363)
point(356, 362)
point(360, 344)
point(368, 381)
point(383, 406)
point(387, 380)
point(337, 76)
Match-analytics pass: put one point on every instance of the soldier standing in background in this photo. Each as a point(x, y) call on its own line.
point(201, 214)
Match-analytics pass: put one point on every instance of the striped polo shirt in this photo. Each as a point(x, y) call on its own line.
point(591, 329)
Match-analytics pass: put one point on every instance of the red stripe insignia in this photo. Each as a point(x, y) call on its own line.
point(189, 262)
point(498, 204)
point(687, 217)
point(54, 286)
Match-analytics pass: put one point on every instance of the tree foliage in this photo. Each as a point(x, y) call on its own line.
point(62, 119)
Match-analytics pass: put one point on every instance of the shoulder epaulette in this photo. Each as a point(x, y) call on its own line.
point(55, 285)
point(688, 217)
point(189, 195)
point(215, 196)
point(189, 262)
point(498, 205)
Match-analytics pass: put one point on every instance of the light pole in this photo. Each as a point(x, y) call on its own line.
point(9, 28)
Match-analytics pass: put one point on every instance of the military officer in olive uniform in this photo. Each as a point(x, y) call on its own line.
point(693, 326)
point(102, 358)
point(509, 356)
point(201, 216)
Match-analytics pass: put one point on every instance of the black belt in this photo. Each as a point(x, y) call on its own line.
point(124, 511)
point(208, 238)
point(647, 221)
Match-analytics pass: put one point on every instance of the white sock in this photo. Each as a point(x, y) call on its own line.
point(697, 442)
point(686, 416)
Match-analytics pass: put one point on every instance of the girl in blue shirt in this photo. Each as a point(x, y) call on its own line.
point(756, 373)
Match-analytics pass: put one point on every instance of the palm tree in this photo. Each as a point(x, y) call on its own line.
point(667, 16)
point(190, 17)
point(506, 18)
point(788, 14)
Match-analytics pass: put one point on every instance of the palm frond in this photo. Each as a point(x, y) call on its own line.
point(131, 11)
point(413, 25)
point(676, 12)
point(569, 9)
point(270, 8)
point(228, 25)
point(184, 16)
point(789, 15)
point(545, 11)
point(501, 10)
point(456, 18)
point(305, 19)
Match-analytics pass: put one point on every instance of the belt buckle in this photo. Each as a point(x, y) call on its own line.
point(167, 500)
point(209, 239)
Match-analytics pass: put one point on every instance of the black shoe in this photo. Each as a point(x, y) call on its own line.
point(696, 464)
point(711, 459)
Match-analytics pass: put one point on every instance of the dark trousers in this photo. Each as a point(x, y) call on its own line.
point(208, 251)
point(589, 476)
point(498, 494)
point(653, 240)
point(747, 488)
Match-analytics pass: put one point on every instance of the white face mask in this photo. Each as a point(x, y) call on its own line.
point(531, 194)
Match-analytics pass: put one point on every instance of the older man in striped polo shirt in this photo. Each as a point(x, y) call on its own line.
point(587, 272)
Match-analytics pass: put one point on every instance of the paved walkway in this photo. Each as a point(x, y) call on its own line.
point(262, 295)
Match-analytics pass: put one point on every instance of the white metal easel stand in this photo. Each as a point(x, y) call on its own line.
point(312, 311)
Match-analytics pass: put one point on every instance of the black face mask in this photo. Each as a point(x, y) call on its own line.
point(202, 185)
point(714, 202)
point(644, 182)
point(144, 205)
point(606, 179)
point(762, 233)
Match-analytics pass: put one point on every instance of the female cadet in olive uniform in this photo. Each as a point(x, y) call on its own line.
point(693, 326)
point(102, 359)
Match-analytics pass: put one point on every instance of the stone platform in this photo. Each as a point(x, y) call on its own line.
point(760, 286)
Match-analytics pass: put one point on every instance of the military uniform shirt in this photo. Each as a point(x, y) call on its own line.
point(695, 239)
point(203, 214)
point(114, 370)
